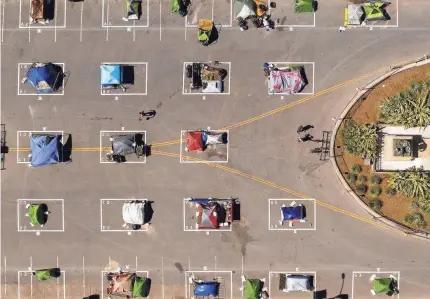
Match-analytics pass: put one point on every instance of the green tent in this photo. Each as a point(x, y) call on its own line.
point(140, 287)
point(133, 9)
point(374, 11)
point(36, 213)
point(45, 274)
point(252, 289)
point(382, 285)
point(178, 6)
point(304, 6)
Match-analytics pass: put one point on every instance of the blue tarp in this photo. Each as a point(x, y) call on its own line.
point(206, 288)
point(292, 213)
point(204, 201)
point(44, 150)
point(111, 74)
point(45, 78)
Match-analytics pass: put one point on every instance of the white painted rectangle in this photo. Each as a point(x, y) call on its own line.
point(183, 160)
point(103, 274)
point(102, 149)
point(187, 273)
point(26, 66)
point(107, 92)
point(193, 229)
point(289, 63)
point(22, 228)
point(27, 134)
point(207, 93)
point(358, 274)
point(106, 23)
point(27, 25)
point(276, 274)
point(190, 25)
point(29, 273)
point(105, 228)
point(314, 227)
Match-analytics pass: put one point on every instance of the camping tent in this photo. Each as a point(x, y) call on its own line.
point(45, 274)
point(44, 150)
point(110, 75)
point(45, 77)
point(244, 8)
point(195, 141)
point(140, 287)
point(295, 283)
point(292, 213)
point(123, 144)
point(133, 213)
point(134, 8)
point(287, 81)
point(207, 215)
point(206, 288)
point(385, 285)
point(252, 289)
point(37, 214)
point(304, 6)
point(374, 11)
point(355, 14)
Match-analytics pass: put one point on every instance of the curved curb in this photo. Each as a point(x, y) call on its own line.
point(360, 92)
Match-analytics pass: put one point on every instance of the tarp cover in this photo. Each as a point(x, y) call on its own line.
point(252, 289)
point(111, 74)
point(292, 213)
point(206, 288)
point(195, 141)
point(37, 7)
point(133, 213)
point(288, 82)
point(355, 14)
point(244, 8)
point(123, 144)
point(298, 283)
point(44, 150)
point(208, 216)
point(140, 287)
point(44, 274)
point(382, 285)
point(133, 9)
point(304, 6)
point(123, 283)
point(45, 77)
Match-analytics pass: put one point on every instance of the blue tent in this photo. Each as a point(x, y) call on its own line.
point(111, 75)
point(206, 288)
point(293, 213)
point(44, 150)
point(45, 77)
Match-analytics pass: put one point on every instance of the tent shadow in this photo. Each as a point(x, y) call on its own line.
point(41, 216)
point(49, 10)
point(128, 74)
point(315, 6)
point(322, 294)
point(92, 297)
point(66, 150)
point(149, 212)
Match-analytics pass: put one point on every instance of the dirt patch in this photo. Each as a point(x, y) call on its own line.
point(366, 112)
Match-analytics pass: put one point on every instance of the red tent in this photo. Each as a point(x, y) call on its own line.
point(194, 141)
point(207, 216)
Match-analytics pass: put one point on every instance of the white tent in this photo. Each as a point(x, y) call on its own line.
point(133, 213)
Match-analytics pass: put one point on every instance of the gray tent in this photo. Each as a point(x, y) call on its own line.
point(355, 14)
point(244, 8)
point(123, 144)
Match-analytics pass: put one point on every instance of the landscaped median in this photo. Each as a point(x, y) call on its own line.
point(381, 147)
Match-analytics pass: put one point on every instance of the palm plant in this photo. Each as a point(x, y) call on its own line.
point(409, 108)
point(360, 139)
point(413, 183)
point(415, 219)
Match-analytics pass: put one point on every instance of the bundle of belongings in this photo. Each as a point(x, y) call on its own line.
point(41, 11)
point(369, 11)
point(253, 10)
point(206, 77)
point(287, 80)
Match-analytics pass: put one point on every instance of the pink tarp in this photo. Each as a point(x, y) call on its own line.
point(287, 82)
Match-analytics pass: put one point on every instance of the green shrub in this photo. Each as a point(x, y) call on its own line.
point(352, 177)
point(376, 205)
point(360, 139)
point(356, 168)
point(416, 219)
point(375, 179)
point(375, 190)
point(390, 191)
point(361, 189)
point(362, 178)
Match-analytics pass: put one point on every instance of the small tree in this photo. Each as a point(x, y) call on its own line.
point(360, 140)
point(361, 189)
point(352, 177)
point(390, 191)
point(376, 205)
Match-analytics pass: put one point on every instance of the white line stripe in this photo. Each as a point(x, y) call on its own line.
point(2, 23)
point(5, 279)
point(83, 275)
point(162, 271)
point(136, 263)
point(55, 23)
point(58, 283)
point(82, 19)
point(160, 20)
point(107, 21)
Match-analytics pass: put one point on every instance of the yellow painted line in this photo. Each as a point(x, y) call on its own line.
point(271, 184)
